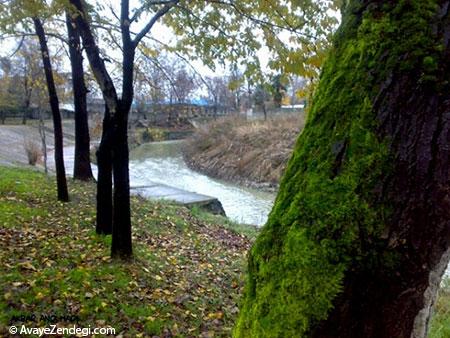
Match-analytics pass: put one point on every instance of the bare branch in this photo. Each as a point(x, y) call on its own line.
point(261, 22)
point(18, 47)
point(113, 12)
point(24, 34)
point(164, 72)
point(185, 60)
point(153, 20)
point(148, 4)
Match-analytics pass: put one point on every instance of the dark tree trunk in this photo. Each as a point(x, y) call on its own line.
point(27, 91)
point(121, 236)
point(63, 194)
point(359, 237)
point(119, 109)
point(82, 166)
point(104, 179)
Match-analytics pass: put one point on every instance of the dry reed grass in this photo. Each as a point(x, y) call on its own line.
point(253, 152)
point(33, 152)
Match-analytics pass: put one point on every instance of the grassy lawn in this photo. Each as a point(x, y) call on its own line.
point(185, 280)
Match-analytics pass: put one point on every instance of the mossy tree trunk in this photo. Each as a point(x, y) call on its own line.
point(359, 236)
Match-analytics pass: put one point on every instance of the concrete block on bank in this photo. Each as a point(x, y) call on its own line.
point(159, 191)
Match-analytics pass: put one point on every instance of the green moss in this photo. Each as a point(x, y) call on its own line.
point(325, 220)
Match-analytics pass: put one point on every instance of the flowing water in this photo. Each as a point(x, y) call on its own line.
point(161, 162)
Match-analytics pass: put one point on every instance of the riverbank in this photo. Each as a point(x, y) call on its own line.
point(186, 278)
point(251, 153)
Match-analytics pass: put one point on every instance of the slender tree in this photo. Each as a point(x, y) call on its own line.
point(63, 194)
point(359, 236)
point(104, 216)
point(82, 166)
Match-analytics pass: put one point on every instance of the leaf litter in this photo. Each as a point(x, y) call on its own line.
point(185, 280)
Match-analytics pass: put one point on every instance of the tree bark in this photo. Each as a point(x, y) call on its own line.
point(27, 90)
point(121, 233)
point(121, 237)
point(63, 194)
point(104, 179)
point(82, 166)
point(359, 236)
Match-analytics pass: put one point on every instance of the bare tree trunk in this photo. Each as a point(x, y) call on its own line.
point(27, 91)
point(118, 129)
point(43, 140)
point(82, 166)
point(63, 194)
point(104, 179)
point(121, 236)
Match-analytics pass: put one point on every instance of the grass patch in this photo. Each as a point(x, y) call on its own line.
point(247, 230)
point(185, 280)
point(440, 322)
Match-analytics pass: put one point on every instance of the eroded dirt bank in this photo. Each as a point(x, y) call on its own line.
point(253, 153)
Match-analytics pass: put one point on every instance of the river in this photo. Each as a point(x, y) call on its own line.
point(162, 162)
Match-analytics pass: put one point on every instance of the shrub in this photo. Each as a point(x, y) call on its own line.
point(33, 152)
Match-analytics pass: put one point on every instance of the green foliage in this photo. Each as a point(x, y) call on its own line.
point(232, 32)
point(15, 14)
point(325, 220)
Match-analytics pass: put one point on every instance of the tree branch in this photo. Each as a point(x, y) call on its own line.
point(24, 34)
point(153, 20)
point(185, 60)
point(142, 9)
point(261, 22)
point(164, 72)
point(97, 63)
point(18, 47)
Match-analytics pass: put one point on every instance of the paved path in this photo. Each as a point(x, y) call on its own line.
point(12, 152)
point(13, 138)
